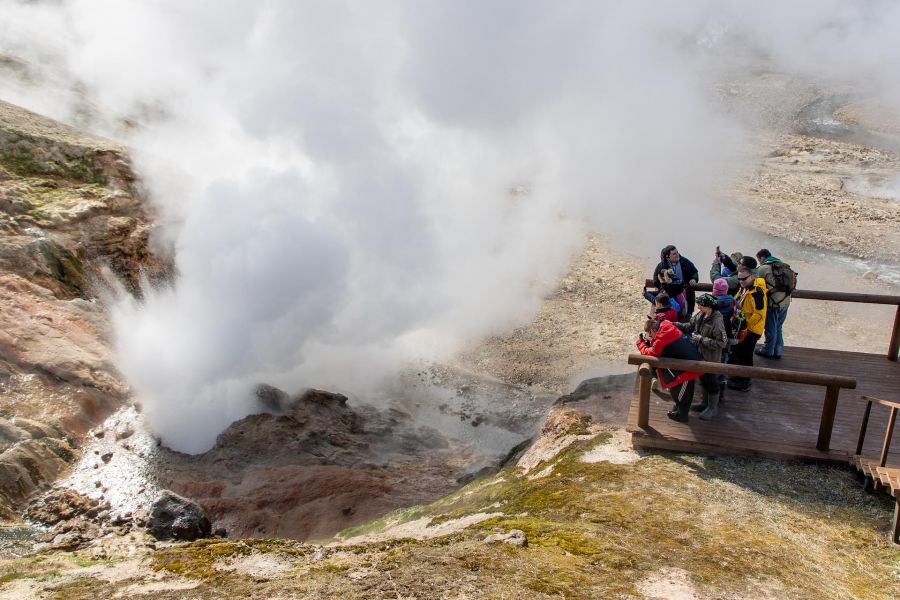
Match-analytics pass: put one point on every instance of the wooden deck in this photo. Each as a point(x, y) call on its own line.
point(782, 419)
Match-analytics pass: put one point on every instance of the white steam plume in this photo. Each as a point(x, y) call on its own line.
point(338, 175)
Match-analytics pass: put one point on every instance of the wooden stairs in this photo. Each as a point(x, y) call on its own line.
point(877, 474)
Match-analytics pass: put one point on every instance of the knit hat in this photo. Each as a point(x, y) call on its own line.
point(720, 287)
point(707, 300)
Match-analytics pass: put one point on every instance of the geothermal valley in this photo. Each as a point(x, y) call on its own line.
point(503, 472)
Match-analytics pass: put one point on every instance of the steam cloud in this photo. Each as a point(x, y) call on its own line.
point(349, 186)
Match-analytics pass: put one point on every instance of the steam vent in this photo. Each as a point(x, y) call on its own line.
point(449, 300)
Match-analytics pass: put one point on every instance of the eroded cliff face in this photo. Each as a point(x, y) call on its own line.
point(71, 222)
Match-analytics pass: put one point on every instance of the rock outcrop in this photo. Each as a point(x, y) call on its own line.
point(71, 220)
point(314, 465)
point(175, 518)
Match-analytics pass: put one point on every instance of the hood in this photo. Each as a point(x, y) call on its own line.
point(667, 334)
point(771, 259)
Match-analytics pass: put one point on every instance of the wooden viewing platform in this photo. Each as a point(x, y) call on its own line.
point(806, 406)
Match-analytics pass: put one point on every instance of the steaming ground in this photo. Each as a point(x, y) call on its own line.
point(334, 179)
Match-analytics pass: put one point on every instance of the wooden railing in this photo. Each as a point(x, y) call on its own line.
point(831, 383)
point(889, 430)
point(893, 347)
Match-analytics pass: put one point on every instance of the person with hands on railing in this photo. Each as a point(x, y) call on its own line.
point(684, 275)
point(664, 340)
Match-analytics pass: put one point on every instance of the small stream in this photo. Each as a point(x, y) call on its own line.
point(817, 119)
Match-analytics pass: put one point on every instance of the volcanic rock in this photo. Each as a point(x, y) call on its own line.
point(59, 505)
point(515, 537)
point(174, 517)
point(295, 473)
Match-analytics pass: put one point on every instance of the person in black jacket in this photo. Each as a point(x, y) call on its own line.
point(686, 275)
point(665, 340)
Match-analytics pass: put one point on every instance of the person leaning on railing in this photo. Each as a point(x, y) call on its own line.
point(750, 315)
point(663, 339)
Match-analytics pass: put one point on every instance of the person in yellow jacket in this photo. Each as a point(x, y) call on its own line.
point(750, 315)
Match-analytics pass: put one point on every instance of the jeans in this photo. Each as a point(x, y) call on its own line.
point(774, 345)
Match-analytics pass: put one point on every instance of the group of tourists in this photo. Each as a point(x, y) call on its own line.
point(750, 297)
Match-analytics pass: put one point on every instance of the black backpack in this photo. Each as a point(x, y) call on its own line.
point(784, 276)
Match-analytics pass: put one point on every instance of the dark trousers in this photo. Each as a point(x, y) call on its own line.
point(683, 395)
point(689, 294)
point(742, 354)
point(709, 382)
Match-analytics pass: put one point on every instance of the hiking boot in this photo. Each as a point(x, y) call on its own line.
point(704, 402)
point(677, 416)
point(713, 408)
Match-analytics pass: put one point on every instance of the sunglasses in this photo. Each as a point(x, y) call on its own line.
point(744, 278)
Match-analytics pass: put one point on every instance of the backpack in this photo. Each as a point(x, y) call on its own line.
point(784, 276)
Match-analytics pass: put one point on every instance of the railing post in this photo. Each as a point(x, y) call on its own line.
point(827, 422)
point(644, 372)
point(887, 437)
point(894, 348)
point(862, 429)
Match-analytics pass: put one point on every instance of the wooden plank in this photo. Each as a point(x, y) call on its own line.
point(816, 295)
point(888, 433)
point(644, 373)
point(785, 416)
point(894, 346)
point(826, 424)
point(862, 429)
point(783, 375)
point(881, 402)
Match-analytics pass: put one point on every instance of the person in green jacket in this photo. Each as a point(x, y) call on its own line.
point(776, 313)
point(725, 267)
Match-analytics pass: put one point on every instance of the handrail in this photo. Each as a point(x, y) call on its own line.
point(888, 432)
point(817, 295)
point(893, 352)
point(832, 384)
point(887, 403)
point(785, 375)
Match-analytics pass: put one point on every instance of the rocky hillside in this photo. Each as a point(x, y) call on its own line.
point(71, 222)
point(580, 516)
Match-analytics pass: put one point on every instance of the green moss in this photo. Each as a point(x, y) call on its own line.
point(86, 562)
point(580, 427)
point(79, 588)
point(378, 525)
point(11, 577)
point(23, 163)
point(196, 560)
point(65, 266)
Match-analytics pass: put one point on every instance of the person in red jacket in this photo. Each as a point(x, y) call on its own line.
point(664, 340)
